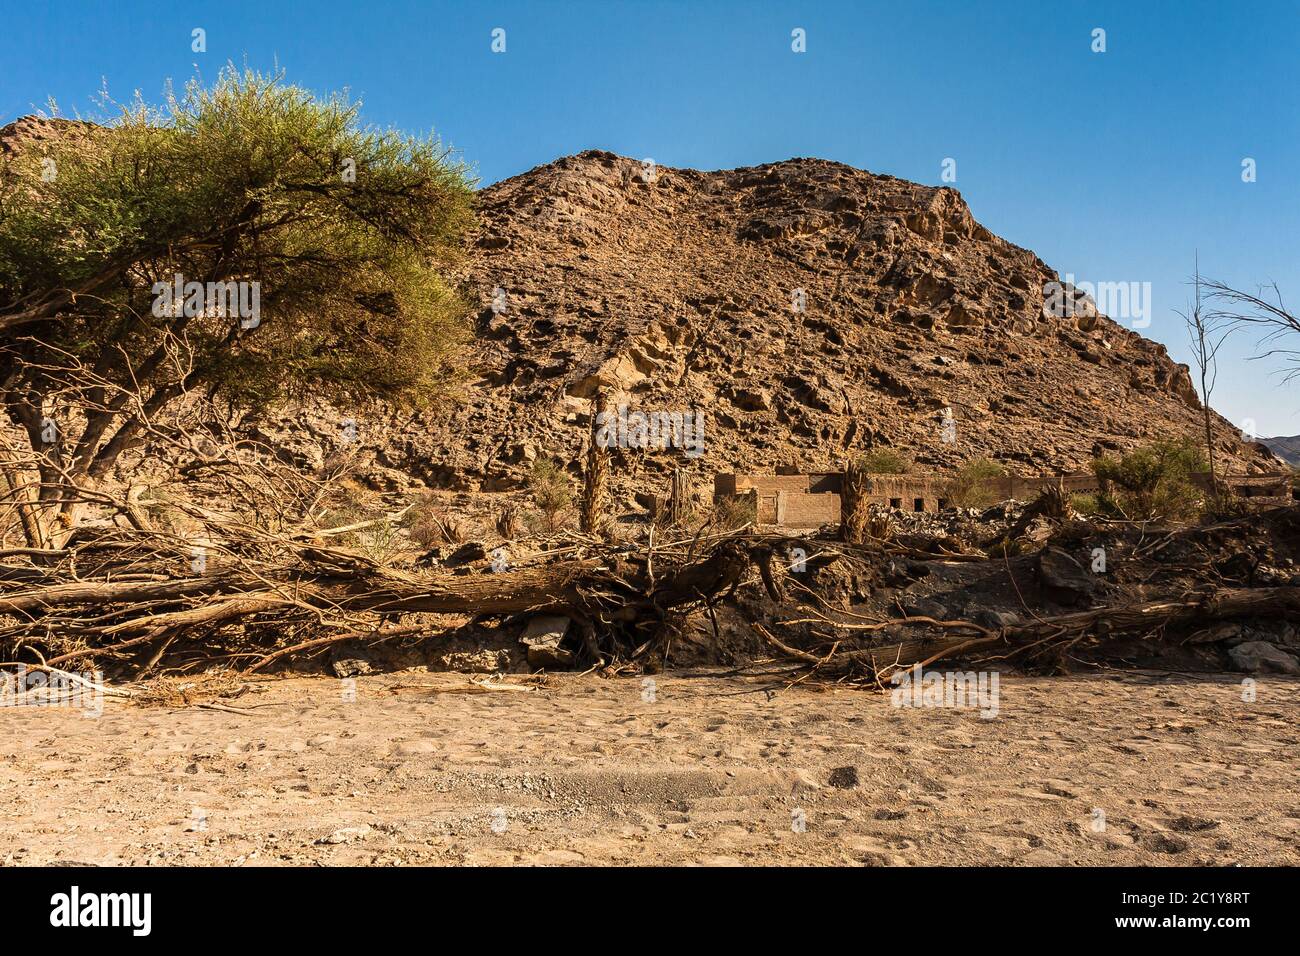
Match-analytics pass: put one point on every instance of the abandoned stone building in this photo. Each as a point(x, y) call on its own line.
point(813, 499)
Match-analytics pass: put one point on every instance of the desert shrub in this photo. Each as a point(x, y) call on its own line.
point(885, 461)
point(1224, 506)
point(1085, 504)
point(380, 542)
point(972, 485)
point(552, 493)
point(1154, 482)
point(345, 504)
point(1006, 547)
point(732, 512)
point(879, 525)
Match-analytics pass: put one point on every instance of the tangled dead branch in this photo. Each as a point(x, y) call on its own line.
point(112, 592)
point(257, 586)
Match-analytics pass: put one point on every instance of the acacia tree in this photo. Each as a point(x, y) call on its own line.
point(335, 235)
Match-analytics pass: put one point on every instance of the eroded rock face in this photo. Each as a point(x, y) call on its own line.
point(810, 308)
point(29, 132)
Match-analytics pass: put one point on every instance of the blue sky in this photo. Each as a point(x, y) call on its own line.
point(1114, 167)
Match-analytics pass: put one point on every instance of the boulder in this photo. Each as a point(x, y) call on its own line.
point(1223, 631)
point(1255, 657)
point(619, 373)
point(1065, 578)
point(925, 607)
point(542, 637)
point(350, 662)
point(751, 399)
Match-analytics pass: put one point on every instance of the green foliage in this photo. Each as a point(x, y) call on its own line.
point(552, 493)
point(1006, 547)
point(971, 486)
point(1086, 504)
point(247, 180)
point(1153, 483)
point(884, 461)
point(1224, 506)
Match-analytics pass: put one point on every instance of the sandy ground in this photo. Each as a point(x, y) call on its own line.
point(1105, 769)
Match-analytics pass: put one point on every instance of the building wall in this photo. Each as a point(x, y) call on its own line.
point(799, 510)
point(817, 483)
point(808, 501)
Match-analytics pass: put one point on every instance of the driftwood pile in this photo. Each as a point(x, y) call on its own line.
point(125, 595)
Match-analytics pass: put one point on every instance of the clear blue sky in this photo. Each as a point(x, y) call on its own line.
point(1112, 166)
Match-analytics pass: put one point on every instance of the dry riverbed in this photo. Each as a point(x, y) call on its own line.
point(409, 768)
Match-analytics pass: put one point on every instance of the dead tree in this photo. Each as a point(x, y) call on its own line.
point(678, 499)
point(595, 493)
point(1206, 334)
point(854, 512)
point(1263, 311)
point(1044, 635)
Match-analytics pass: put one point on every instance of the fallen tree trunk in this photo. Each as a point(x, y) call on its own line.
point(549, 587)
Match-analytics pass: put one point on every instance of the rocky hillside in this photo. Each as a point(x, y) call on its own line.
point(810, 310)
point(681, 290)
point(29, 132)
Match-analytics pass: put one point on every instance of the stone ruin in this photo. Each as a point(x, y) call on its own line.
point(813, 499)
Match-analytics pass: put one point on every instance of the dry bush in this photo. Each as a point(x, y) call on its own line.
point(507, 523)
point(186, 690)
point(1053, 503)
point(730, 513)
point(879, 526)
point(429, 524)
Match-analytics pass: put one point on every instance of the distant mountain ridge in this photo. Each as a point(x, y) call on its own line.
point(1288, 449)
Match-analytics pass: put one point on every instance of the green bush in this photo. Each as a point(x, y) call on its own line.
point(1086, 504)
point(885, 461)
point(552, 493)
point(972, 485)
point(1153, 483)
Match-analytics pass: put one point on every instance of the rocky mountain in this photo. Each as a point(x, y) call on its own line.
point(811, 310)
point(808, 309)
